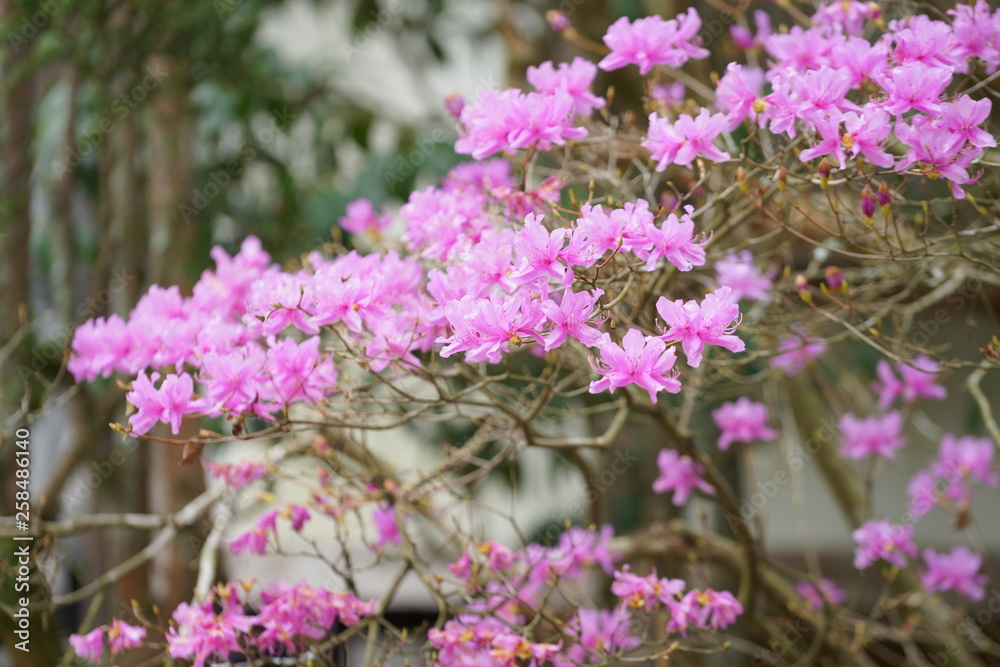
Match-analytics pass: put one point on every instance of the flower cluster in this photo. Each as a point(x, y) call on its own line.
point(705, 609)
point(503, 264)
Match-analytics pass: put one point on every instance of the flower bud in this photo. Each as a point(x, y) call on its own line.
point(557, 21)
point(802, 286)
point(741, 179)
point(782, 178)
point(454, 104)
point(742, 37)
point(868, 205)
point(884, 196)
point(834, 279)
point(824, 172)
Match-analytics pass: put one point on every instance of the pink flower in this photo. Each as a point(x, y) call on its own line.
point(681, 142)
point(719, 609)
point(668, 94)
point(880, 539)
point(956, 571)
point(738, 94)
point(697, 325)
point(680, 474)
point(571, 317)
point(923, 493)
point(641, 360)
point(674, 240)
point(645, 592)
point(579, 549)
point(479, 177)
point(605, 631)
point(255, 540)
point(746, 40)
point(237, 475)
point(276, 301)
point(823, 92)
point(939, 150)
point(964, 117)
point(866, 133)
point(921, 40)
point(830, 140)
point(485, 328)
point(123, 636)
point(298, 372)
point(743, 421)
point(201, 634)
point(598, 232)
point(915, 86)
point(89, 646)
point(975, 32)
point(573, 79)
point(796, 354)
point(651, 41)
point(510, 120)
point(298, 516)
point(540, 253)
point(684, 613)
point(918, 380)
point(100, 347)
point(798, 50)
point(393, 343)
point(384, 518)
point(168, 404)
point(738, 272)
point(872, 435)
point(823, 591)
point(361, 218)
point(962, 460)
point(851, 15)
point(232, 379)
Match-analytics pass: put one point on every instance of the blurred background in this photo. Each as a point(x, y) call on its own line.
point(138, 134)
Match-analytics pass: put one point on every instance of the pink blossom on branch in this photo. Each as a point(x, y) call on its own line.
point(872, 435)
point(918, 379)
point(682, 141)
point(641, 360)
point(651, 41)
point(680, 474)
point(742, 421)
point(738, 272)
point(572, 317)
point(167, 404)
point(712, 322)
point(573, 79)
point(674, 240)
point(823, 592)
point(361, 218)
point(955, 571)
point(510, 120)
point(881, 540)
point(486, 328)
